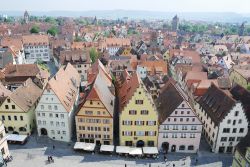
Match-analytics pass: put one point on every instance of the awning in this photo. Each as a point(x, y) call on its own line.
point(79, 146)
point(150, 150)
point(123, 149)
point(109, 148)
point(89, 146)
point(15, 137)
point(84, 146)
point(135, 151)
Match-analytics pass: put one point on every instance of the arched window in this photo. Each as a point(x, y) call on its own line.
point(22, 129)
point(182, 147)
point(10, 128)
point(191, 147)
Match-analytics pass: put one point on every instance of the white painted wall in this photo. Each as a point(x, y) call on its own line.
point(141, 71)
point(214, 133)
point(37, 52)
point(43, 114)
point(178, 141)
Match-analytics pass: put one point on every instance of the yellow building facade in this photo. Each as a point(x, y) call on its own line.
point(94, 119)
point(138, 119)
point(17, 110)
point(94, 124)
point(15, 119)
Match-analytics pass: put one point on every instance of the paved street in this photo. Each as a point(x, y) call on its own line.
point(36, 150)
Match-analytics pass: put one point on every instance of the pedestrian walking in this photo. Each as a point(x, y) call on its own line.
point(125, 165)
point(165, 158)
point(49, 159)
point(53, 147)
point(173, 165)
point(196, 161)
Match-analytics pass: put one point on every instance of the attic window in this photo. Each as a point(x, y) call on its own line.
point(67, 104)
point(68, 98)
point(139, 92)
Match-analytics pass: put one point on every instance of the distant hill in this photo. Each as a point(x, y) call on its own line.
point(114, 14)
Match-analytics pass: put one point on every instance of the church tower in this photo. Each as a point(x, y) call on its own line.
point(26, 17)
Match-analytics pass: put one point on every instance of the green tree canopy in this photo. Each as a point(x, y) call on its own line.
point(52, 31)
point(35, 29)
point(50, 20)
point(93, 54)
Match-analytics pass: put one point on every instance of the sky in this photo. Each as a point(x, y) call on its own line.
point(237, 6)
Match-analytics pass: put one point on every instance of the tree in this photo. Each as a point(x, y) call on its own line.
point(248, 87)
point(35, 29)
point(50, 20)
point(93, 55)
point(52, 31)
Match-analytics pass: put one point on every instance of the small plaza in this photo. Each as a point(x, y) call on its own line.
point(36, 151)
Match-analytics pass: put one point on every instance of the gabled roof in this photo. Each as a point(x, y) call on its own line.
point(216, 103)
point(99, 67)
point(21, 70)
point(169, 99)
point(15, 43)
point(101, 89)
point(26, 95)
point(35, 39)
point(74, 57)
point(65, 84)
point(128, 88)
point(243, 95)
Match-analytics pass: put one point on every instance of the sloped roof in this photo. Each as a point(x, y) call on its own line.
point(155, 65)
point(101, 88)
point(104, 93)
point(169, 99)
point(65, 84)
point(35, 39)
point(15, 43)
point(128, 88)
point(216, 103)
point(243, 95)
point(26, 95)
point(74, 57)
point(20, 70)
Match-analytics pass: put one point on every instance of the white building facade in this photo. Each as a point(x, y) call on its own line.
point(56, 109)
point(3, 142)
point(226, 125)
point(180, 129)
point(36, 47)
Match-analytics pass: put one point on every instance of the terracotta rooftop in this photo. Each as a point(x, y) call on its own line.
point(127, 88)
point(74, 57)
point(216, 103)
point(26, 95)
point(65, 84)
point(20, 70)
point(35, 40)
point(14, 43)
point(165, 103)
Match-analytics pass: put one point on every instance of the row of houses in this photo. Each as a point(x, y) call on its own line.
point(105, 112)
